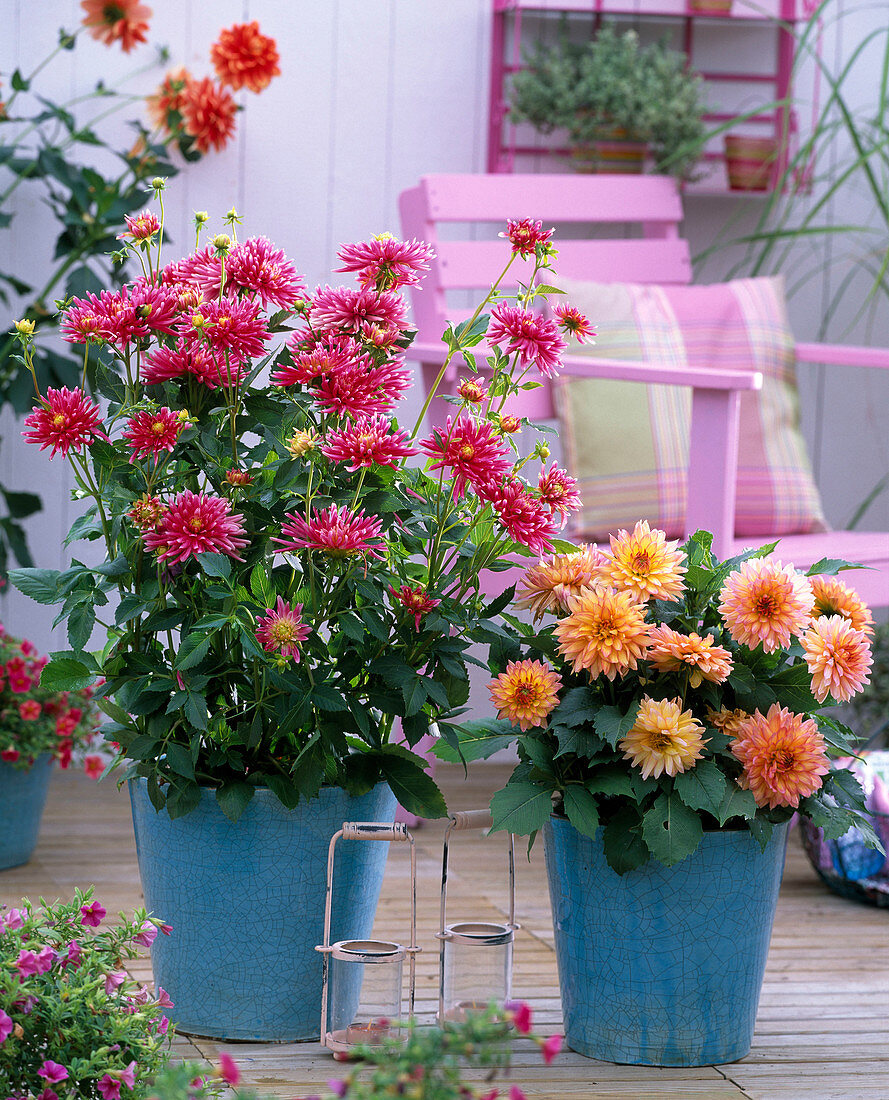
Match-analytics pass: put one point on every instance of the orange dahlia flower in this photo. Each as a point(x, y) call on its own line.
point(547, 585)
point(783, 757)
point(208, 114)
point(664, 738)
point(671, 651)
point(644, 563)
point(765, 602)
point(838, 656)
point(832, 597)
point(526, 693)
point(165, 103)
point(727, 721)
point(605, 632)
point(245, 58)
point(110, 21)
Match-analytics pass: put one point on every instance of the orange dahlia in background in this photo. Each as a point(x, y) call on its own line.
point(526, 693)
point(832, 597)
point(208, 114)
point(243, 57)
point(838, 656)
point(671, 652)
point(783, 757)
point(110, 21)
point(547, 585)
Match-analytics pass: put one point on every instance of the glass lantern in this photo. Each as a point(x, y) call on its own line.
point(362, 980)
point(475, 957)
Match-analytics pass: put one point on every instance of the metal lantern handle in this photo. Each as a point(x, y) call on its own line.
point(368, 830)
point(474, 819)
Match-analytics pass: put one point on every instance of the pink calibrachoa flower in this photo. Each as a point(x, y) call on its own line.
point(527, 519)
point(345, 309)
point(521, 1017)
point(5, 1026)
point(14, 919)
point(282, 630)
point(369, 441)
point(474, 452)
point(94, 766)
point(150, 433)
point(339, 532)
point(109, 1087)
point(48, 1094)
point(128, 1075)
point(838, 656)
point(73, 955)
point(533, 338)
point(228, 1070)
point(386, 263)
point(766, 602)
point(550, 1047)
point(163, 997)
point(67, 420)
point(30, 710)
point(415, 600)
point(92, 914)
point(526, 234)
point(53, 1072)
point(573, 323)
point(558, 490)
point(113, 980)
point(146, 935)
point(197, 523)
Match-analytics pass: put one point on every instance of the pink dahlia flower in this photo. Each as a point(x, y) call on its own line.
point(232, 325)
point(256, 265)
point(338, 532)
point(573, 323)
point(525, 235)
point(197, 523)
point(328, 356)
point(415, 600)
point(473, 451)
point(370, 441)
point(533, 338)
point(347, 309)
point(66, 421)
point(386, 263)
point(140, 227)
point(151, 433)
point(189, 357)
point(282, 630)
point(527, 519)
point(558, 490)
point(360, 389)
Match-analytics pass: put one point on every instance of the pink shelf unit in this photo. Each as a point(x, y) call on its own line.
point(706, 39)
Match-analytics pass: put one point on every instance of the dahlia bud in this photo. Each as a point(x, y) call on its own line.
point(24, 327)
point(541, 451)
point(300, 443)
point(222, 243)
point(509, 424)
point(158, 183)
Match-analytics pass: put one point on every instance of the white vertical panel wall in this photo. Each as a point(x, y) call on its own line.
point(373, 94)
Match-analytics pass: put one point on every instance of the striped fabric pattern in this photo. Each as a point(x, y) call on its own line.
point(628, 444)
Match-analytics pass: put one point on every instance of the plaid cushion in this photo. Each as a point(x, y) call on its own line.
point(628, 444)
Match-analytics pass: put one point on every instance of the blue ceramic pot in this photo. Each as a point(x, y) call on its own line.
point(662, 966)
point(22, 798)
point(246, 902)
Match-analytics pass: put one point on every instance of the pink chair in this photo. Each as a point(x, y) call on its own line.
point(448, 211)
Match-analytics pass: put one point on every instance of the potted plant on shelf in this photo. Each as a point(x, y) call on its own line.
point(668, 722)
point(287, 582)
point(618, 100)
point(39, 726)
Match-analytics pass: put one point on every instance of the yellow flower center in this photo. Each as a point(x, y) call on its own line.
point(158, 427)
point(195, 524)
point(59, 420)
point(282, 631)
point(765, 605)
point(467, 450)
point(641, 562)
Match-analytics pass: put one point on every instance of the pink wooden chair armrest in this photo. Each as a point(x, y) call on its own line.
point(843, 355)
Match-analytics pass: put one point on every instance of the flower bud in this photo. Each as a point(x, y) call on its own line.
point(24, 327)
point(158, 183)
point(222, 243)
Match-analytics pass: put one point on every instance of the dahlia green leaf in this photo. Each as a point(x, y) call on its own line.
point(624, 847)
point(671, 830)
point(702, 787)
point(581, 808)
point(234, 797)
point(737, 803)
point(612, 724)
point(521, 807)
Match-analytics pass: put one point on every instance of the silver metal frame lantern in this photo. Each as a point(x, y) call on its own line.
point(475, 957)
point(361, 1001)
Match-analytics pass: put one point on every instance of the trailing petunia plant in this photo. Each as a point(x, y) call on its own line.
point(657, 692)
point(73, 1022)
point(285, 585)
point(66, 156)
point(37, 721)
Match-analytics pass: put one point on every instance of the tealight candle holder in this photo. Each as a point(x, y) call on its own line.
point(362, 979)
point(475, 957)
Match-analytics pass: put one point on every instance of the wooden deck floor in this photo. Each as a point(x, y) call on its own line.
point(823, 1025)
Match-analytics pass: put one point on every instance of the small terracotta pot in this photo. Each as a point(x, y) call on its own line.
point(750, 162)
point(710, 7)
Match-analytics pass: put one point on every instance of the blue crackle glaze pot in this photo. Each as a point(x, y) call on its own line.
point(662, 966)
point(246, 903)
point(22, 798)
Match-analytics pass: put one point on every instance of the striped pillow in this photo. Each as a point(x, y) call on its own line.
point(628, 444)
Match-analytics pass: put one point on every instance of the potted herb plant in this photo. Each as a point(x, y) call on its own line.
point(611, 94)
point(287, 582)
point(667, 709)
point(39, 727)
